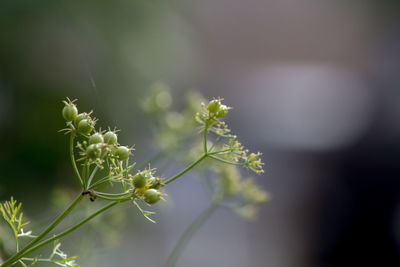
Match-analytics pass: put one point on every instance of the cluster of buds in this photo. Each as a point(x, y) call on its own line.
point(217, 109)
point(103, 145)
point(82, 123)
point(244, 194)
point(160, 100)
point(146, 186)
point(212, 114)
point(98, 145)
point(254, 162)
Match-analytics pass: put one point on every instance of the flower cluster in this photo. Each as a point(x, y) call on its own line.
point(101, 148)
point(210, 117)
point(99, 145)
point(146, 186)
point(243, 196)
point(12, 214)
point(218, 144)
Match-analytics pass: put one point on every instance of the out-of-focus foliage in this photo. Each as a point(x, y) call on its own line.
point(175, 129)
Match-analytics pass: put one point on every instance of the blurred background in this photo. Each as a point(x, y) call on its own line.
point(315, 86)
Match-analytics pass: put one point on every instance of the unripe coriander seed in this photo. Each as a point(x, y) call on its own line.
point(96, 138)
point(253, 157)
point(93, 151)
point(256, 164)
point(152, 196)
point(85, 126)
point(223, 110)
point(214, 106)
point(139, 180)
point(69, 112)
point(79, 117)
point(123, 152)
point(110, 138)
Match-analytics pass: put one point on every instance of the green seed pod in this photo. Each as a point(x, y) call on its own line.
point(85, 126)
point(214, 106)
point(123, 152)
point(155, 182)
point(140, 180)
point(253, 157)
point(93, 151)
point(152, 196)
point(110, 138)
point(256, 164)
point(79, 117)
point(69, 112)
point(223, 110)
point(96, 138)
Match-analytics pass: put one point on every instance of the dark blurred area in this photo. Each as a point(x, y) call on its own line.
point(315, 85)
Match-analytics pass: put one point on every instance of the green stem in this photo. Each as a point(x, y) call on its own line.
point(186, 170)
point(85, 173)
point(19, 254)
point(103, 180)
point(112, 194)
point(114, 197)
point(205, 139)
point(38, 260)
point(188, 234)
point(219, 152)
point(71, 152)
point(69, 230)
point(91, 176)
point(226, 161)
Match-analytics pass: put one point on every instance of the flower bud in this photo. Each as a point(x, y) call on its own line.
point(214, 106)
point(85, 126)
point(253, 157)
point(96, 138)
point(110, 138)
point(223, 110)
point(140, 180)
point(69, 112)
point(93, 151)
point(79, 117)
point(152, 196)
point(123, 152)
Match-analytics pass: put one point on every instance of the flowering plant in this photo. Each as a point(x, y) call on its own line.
point(99, 160)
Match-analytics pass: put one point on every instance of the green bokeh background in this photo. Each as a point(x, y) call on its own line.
point(107, 54)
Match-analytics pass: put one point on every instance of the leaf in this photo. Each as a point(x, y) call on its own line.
point(145, 213)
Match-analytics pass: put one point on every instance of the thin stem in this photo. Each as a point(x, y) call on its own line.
point(188, 234)
point(227, 161)
point(186, 170)
point(38, 260)
point(205, 139)
point(214, 144)
point(91, 176)
point(219, 152)
point(69, 230)
point(19, 254)
point(86, 167)
point(71, 152)
point(114, 198)
point(112, 194)
point(103, 180)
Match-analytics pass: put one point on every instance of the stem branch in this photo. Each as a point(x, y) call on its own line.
point(190, 231)
point(69, 230)
point(186, 170)
point(226, 161)
point(22, 252)
point(71, 152)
